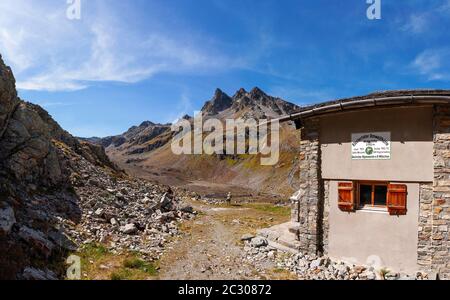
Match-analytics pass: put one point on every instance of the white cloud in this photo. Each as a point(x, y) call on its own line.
point(49, 52)
point(433, 63)
point(417, 23)
point(427, 19)
point(184, 107)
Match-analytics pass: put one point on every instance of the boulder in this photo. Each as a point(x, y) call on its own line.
point(316, 263)
point(187, 209)
point(165, 201)
point(247, 237)
point(99, 212)
point(368, 275)
point(391, 276)
point(258, 242)
point(166, 217)
point(129, 229)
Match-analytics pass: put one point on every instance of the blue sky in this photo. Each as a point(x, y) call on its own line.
point(129, 61)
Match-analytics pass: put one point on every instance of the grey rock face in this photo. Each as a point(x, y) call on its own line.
point(8, 96)
point(37, 240)
point(62, 241)
point(27, 150)
point(7, 219)
point(37, 274)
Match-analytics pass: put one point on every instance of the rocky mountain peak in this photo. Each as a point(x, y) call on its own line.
point(218, 93)
point(240, 93)
point(257, 93)
point(147, 124)
point(250, 100)
point(186, 117)
point(221, 101)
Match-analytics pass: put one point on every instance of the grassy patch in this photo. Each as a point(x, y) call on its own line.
point(231, 161)
point(122, 274)
point(139, 264)
point(282, 211)
point(282, 274)
point(279, 270)
point(98, 263)
point(94, 251)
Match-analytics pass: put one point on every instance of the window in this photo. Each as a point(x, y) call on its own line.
point(373, 195)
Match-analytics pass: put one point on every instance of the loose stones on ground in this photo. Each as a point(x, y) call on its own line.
point(309, 266)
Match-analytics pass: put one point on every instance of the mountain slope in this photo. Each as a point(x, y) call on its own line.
point(58, 193)
point(145, 150)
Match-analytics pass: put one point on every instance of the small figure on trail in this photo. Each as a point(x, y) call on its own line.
point(229, 198)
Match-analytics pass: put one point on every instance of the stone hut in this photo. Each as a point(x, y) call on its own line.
point(375, 180)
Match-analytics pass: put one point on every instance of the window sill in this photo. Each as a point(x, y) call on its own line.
point(371, 209)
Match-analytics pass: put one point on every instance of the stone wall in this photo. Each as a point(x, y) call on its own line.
point(326, 214)
point(424, 250)
point(308, 205)
point(434, 218)
point(441, 192)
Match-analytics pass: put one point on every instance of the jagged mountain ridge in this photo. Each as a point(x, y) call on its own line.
point(253, 104)
point(149, 136)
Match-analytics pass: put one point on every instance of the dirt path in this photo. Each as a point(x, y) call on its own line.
point(211, 247)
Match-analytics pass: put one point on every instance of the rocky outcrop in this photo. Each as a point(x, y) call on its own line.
point(27, 153)
point(35, 184)
point(8, 96)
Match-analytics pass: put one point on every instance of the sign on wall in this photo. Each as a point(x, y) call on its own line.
point(374, 145)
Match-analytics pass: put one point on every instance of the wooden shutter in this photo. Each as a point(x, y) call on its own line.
point(397, 196)
point(346, 193)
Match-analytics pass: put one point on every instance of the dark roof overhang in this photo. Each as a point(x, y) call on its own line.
point(376, 100)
